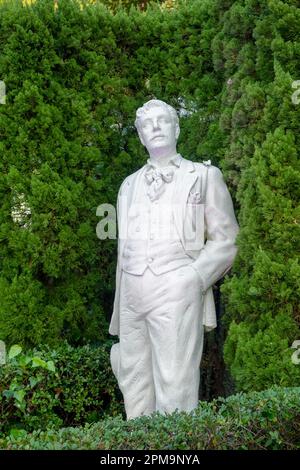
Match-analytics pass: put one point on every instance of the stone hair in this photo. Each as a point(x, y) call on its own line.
point(145, 108)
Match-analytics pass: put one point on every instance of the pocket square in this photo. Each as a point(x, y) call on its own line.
point(194, 198)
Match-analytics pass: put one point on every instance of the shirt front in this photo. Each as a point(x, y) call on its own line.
point(153, 239)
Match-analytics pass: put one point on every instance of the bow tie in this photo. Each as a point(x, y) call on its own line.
point(153, 174)
point(156, 179)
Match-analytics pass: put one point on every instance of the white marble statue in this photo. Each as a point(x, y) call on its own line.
point(177, 232)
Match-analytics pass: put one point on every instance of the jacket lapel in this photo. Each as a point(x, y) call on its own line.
point(185, 181)
point(131, 189)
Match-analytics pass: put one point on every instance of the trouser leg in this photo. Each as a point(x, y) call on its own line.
point(135, 367)
point(161, 341)
point(176, 335)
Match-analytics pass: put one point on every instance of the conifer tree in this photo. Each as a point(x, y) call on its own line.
point(264, 292)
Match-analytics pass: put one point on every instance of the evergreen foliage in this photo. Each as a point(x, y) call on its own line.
point(263, 161)
point(46, 388)
point(75, 77)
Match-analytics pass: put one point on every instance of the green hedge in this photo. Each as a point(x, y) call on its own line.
point(74, 79)
point(258, 49)
point(54, 388)
point(265, 420)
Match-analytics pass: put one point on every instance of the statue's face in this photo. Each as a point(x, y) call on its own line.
point(157, 129)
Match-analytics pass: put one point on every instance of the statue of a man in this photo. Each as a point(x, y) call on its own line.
point(177, 232)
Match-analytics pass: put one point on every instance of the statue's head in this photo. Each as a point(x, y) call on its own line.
point(157, 124)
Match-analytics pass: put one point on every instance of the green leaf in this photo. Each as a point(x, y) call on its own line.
point(8, 393)
point(24, 360)
point(33, 381)
point(19, 395)
point(14, 351)
point(38, 362)
point(17, 433)
point(51, 366)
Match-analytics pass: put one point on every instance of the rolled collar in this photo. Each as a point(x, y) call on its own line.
point(175, 160)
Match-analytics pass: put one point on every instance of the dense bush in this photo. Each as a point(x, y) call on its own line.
point(265, 420)
point(54, 388)
point(260, 117)
point(74, 79)
point(260, 354)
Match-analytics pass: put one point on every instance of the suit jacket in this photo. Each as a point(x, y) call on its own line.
point(200, 195)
